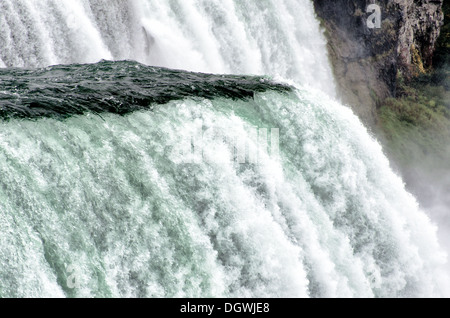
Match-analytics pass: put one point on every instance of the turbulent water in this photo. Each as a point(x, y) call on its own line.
point(120, 179)
point(277, 37)
point(278, 192)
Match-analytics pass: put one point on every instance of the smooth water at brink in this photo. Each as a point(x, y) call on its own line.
point(276, 37)
point(117, 87)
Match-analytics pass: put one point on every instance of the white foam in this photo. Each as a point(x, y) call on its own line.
point(279, 38)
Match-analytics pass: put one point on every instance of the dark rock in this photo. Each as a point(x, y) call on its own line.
point(366, 60)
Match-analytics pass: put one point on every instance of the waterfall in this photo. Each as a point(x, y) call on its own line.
point(270, 37)
point(121, 176)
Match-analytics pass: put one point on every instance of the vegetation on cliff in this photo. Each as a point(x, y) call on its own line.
point(417, 122)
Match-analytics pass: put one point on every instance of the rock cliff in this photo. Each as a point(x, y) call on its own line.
point(367, 61)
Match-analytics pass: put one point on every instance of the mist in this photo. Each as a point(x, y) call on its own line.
point(431, 186)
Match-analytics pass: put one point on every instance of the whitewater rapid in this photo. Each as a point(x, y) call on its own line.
point(270, 37)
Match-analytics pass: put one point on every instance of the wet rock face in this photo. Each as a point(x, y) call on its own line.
point(366, 59)
point(421, 22)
